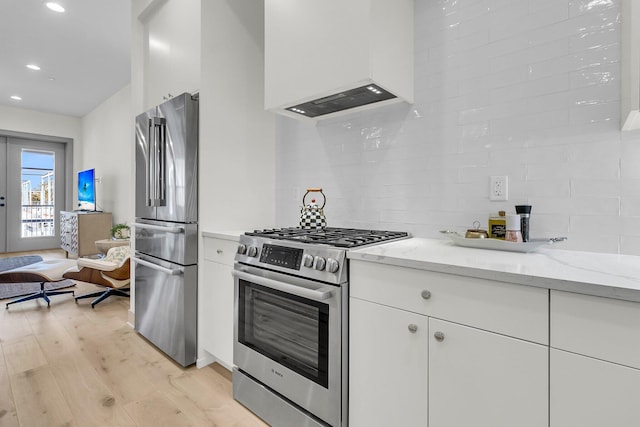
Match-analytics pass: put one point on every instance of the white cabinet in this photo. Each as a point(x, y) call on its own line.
point(388, 369)
point(171, 62)
point(215, 300)
point(478, 378)
point(473, 358)
point(595, 361)
point(587, 392)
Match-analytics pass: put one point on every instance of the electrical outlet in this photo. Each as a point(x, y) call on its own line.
point(498, 188)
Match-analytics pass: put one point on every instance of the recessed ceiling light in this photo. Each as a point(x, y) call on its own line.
point(55, 7)
point(51, 78)
point(16, 97)
point(33, 67)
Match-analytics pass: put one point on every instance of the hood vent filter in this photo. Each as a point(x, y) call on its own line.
point(352, 98)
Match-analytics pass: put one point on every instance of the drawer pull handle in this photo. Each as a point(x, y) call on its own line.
point(219, 251)
point(439, 336)
point(425, 294)
point(412, 328)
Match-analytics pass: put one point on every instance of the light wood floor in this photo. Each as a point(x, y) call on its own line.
point(71, 365)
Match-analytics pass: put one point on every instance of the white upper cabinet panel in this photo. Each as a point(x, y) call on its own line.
point(630, 95)
point(172, 49)
point(319, 49)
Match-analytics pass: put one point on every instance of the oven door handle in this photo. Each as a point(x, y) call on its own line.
point(321, 294)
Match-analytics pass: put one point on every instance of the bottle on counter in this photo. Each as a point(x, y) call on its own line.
point(524, 211)
point(513, 233)
point(497, 225)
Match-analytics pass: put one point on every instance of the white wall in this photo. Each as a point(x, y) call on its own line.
point(36, 122)
point(524, 88)
point(30, 121)
point(107, 145)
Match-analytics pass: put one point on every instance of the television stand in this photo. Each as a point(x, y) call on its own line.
point(80, 230)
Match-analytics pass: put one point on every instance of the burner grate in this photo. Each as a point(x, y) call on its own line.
point(338, 237)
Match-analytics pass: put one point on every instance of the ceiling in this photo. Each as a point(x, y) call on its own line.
point(83, 53)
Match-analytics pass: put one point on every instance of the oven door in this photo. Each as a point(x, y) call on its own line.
point(288, 336)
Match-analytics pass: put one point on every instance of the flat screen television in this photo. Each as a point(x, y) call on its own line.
point(87, 190)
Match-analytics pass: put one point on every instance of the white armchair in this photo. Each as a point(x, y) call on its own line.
point(112, 271)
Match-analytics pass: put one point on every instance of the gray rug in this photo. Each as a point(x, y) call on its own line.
point(18, 261)
point(13, 290)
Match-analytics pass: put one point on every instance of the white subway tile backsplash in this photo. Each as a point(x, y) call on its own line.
point(531, 55)
point(630, 225)
point(523, 91)
point(581, 7)
point(601, 75)
point(630, 206)
point(594, 112)
point(601, 225)
point(629, 244)
point(529, 89)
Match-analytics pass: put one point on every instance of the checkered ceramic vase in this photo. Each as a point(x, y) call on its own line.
point(311, 216)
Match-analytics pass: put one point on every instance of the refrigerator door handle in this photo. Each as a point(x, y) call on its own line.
point(162, 150)
point(169, 271)
point(156, 171)
point(172, 230)
point(148, 165)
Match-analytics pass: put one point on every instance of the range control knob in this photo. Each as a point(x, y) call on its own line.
point(332, 265)
point(252, 251)
point(242, 249)
point(319, 263)
point(307, 260)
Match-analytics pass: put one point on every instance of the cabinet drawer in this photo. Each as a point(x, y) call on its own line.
point(603, 328)
point(514, 310)
point(220, 250)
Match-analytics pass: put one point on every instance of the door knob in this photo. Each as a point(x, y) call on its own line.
point(439, 336)
point(425, 294)
point(412, 328)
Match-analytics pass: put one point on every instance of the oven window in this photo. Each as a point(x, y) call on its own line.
point(286, 328)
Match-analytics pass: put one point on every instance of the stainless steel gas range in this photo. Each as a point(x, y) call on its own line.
point(291, 323)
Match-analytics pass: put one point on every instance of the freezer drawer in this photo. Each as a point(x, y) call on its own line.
point(171, 241)
point(166, 306)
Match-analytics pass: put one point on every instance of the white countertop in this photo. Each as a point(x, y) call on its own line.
point(606, 275)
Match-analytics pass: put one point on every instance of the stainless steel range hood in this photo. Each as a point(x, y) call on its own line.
point(331, 57)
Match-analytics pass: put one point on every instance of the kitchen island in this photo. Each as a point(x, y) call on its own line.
point(490, 338)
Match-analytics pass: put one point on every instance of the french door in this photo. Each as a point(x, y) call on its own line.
point(34, 191)
point(3, 195)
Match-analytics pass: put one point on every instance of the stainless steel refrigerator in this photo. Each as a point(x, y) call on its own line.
point(166, 227)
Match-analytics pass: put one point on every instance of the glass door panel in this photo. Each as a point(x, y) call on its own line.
point(35, 193)
point(3, 194)
point(38, 193)
point(286, 328)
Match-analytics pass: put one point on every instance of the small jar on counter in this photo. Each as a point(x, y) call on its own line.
point(513, 233)
point(497, 225)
